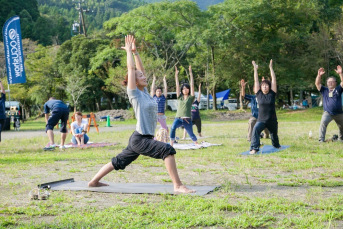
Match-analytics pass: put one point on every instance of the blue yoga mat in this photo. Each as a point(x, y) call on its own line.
point(266, 150)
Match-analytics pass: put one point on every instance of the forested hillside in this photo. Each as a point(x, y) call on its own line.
point(50, 21)
point(203, 4)
point(98, 11)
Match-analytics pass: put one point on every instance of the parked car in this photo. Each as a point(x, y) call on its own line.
point(232, 105)
point(172, 101)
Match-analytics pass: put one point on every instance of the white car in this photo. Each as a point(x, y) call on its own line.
point(232, 104)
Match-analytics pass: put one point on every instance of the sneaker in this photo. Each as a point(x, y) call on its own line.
point(62, 147)
point(49, 148)
point(321, 141)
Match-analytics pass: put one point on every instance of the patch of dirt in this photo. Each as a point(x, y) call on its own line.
point(230, 116)
point(126, 114)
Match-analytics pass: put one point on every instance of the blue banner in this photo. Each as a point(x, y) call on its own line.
point(14, 51)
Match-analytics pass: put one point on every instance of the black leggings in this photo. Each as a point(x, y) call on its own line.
point(141, 145)
point(197, 122)
point(2, 123)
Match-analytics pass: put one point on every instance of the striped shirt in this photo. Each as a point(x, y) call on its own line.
point(161, 101)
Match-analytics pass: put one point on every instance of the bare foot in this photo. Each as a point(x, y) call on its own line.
point(183, 189)
point(253, 151)
point(96, 184)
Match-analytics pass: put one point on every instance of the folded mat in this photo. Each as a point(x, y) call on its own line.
point(133, 188)
point(193, 146)
point(90, 145)
point(266, 150)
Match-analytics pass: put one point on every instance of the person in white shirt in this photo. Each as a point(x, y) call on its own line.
point(79, 130)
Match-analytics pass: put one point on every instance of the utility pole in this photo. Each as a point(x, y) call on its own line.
point(81, 24)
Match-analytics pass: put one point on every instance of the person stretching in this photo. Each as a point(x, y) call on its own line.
point(196, 120)
point(79, 130)
point(332, 102)
point(142, 140)
point(160, 100)
point(184, 106)
point(266, 115)
point(254, 111)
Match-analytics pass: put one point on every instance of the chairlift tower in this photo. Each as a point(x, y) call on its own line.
point(81, 25)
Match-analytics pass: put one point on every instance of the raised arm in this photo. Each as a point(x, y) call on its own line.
point(199, 95)
point(165, 91)
point(243, 84)
point(272, 74)
point(2, 88)
point(152, 90)
point(321, 72)
point(139, 64)
point(256, 82)
point(339, 72)
point(177, 82)
point(129, 41)
point(191, 80)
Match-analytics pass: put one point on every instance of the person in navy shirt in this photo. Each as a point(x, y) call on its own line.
point(59, 111)
point(332, 102)
point(265, 94)
point(254, 111)
point(2, 108)
point(160, 100)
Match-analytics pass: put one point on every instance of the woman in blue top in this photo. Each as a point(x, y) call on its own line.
point(160, 100)
point(142, 140)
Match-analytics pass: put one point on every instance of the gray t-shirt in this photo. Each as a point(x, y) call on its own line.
point(145, 108)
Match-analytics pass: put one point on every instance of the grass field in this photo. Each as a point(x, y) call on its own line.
point(300, 187)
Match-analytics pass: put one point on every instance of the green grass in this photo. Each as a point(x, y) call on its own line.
point(300, 187)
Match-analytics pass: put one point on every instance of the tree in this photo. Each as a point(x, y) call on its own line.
point(165, 30)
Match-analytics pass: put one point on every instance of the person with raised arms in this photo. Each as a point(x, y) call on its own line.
point(265, 94)
point(142, 140)
point(332, 102)
point(254, 111)
point(160, 100)
point(196, 119)
point(184, 106)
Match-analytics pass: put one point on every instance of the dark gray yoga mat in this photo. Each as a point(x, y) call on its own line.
point(133, 188)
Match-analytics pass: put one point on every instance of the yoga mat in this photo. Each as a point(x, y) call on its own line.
point(267, 149)
point(132, 188)
point(90, 145)
point(193, 146)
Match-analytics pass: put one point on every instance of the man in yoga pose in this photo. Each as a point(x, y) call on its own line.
point(265, 95)
point(142, 140)
point(59, 111)
point(160, 100)
point(332, 102)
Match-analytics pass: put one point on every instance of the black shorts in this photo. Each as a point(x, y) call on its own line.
point(57, 115)
point(141, 145)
